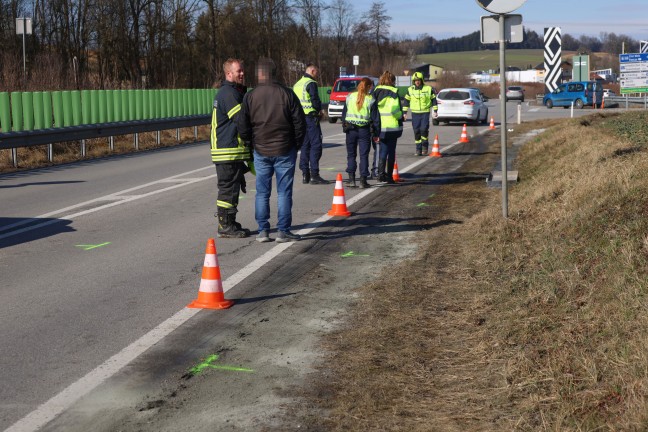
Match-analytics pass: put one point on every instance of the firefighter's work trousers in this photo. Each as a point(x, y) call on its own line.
point(231, 178)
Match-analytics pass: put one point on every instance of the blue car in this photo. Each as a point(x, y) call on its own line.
point(580, 93)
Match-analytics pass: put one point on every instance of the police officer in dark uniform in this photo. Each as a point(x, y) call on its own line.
point(311, 151)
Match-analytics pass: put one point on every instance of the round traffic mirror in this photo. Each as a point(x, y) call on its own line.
point(500, 6)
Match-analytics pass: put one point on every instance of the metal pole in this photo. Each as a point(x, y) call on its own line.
point(14, 156)
point(24, 53)
point(502, 48)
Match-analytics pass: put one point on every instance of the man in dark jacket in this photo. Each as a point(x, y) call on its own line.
point(228, 152)
point(272, 120)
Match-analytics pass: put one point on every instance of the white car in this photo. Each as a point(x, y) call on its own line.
point(608, 92)
point(464, 105)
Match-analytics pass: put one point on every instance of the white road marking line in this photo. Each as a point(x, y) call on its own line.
point(49, 410)
point(117, 198)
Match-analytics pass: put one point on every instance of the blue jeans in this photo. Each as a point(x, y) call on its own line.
point(284, 168)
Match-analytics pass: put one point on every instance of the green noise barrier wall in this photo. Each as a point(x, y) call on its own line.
point(25, 111)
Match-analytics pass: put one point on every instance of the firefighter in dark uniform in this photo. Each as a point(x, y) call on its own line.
point(311, 151)
point(420, 99)
point(228, 151)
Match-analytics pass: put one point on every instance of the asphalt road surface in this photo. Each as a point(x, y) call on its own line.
point(99, 259)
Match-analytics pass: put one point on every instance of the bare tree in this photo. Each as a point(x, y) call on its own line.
point(341, 17)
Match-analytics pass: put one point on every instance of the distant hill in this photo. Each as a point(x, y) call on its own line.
point(472, 42)
point(483, 60)
point(472, 61)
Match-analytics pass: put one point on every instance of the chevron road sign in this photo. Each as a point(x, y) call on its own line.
point(552, 58)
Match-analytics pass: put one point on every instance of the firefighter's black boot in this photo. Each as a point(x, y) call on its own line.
point(227, 227)
point(238, 225)
point(363, 183)
point(306, 177)
point(382, 176)
point(351, 181)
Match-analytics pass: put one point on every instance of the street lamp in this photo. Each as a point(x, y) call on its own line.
point(24, 27)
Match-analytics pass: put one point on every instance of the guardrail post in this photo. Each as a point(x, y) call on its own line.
point(83, 148)
point(136, 141)
point(14, 157)
point(50, 152)
point(111, 143)
point(157, 137)
point(195, 133)
point(177, 134)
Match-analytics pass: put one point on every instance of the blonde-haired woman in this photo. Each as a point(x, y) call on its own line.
point(359, 118)
point(391, 124)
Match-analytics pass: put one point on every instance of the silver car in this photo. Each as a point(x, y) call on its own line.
point(461, 105)
point(514, 93)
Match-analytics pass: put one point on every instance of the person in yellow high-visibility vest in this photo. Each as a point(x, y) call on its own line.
point(307, 91)
point(359, 119)
point(391, 124)
point(420, 99)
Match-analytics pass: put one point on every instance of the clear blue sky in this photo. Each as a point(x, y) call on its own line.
point(447, 18)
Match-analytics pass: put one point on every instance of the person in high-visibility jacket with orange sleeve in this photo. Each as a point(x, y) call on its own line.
point(420, 99)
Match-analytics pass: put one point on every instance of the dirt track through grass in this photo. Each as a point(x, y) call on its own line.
point(534, 323)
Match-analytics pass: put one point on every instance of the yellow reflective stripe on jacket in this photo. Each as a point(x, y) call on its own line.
point(233, 111)
point(224, 204)
point(304, 97)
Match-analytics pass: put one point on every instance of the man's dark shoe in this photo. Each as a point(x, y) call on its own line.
point(382, 178)
point(390, 180)
point(286, 236)
point(363, 183)
point(418, 153)
point(306, 177)
point(317, 180)
point(424, 151)
point(351, 181)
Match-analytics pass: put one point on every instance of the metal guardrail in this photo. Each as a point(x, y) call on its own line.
point(619, 100)
point(10, 140)
point(15, 140)
point(627, 100)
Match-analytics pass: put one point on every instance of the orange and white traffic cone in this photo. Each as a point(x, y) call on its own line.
point(395, 175)
point(210, 293)
point(492, 124)
point(464, 135)
point(436, 152)
point(339, 207)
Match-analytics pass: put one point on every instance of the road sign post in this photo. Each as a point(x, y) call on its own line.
point(24, 27)
point(502, 7)
point(356, 62)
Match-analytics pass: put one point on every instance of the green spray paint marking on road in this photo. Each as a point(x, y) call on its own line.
point(353, 254)
point(208, 364)
point(329, 169)
point(422, 205)
point(431, 195)
point(88, 247)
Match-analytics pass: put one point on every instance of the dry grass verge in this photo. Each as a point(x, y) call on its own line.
point(535, 323)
